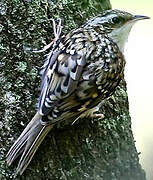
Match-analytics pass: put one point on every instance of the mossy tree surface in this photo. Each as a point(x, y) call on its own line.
point(90, 149)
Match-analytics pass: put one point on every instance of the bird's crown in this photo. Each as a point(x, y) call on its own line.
point(112, 19)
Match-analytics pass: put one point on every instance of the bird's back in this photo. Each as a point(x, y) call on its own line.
point(83, 68)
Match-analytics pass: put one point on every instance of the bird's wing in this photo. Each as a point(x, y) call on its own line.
point(62, 71)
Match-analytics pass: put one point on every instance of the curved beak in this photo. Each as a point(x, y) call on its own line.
point(139, 17)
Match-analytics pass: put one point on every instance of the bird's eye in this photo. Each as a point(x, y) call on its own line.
point(116, 20)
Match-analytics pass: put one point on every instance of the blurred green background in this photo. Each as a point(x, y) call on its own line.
point(139, 77)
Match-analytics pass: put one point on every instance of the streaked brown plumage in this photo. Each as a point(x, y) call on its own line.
point(83, 68)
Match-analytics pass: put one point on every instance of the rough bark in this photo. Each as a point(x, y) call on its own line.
point(90, 149)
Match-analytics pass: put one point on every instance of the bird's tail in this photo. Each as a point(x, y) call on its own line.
point(27, 143)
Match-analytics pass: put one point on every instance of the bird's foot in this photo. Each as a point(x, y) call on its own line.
point(95, 113)
point(91, 113)
point(57, 29)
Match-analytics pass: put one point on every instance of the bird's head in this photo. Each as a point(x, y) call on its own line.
point(117, 24)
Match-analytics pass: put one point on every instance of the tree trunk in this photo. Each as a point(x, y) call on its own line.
point(90, 149)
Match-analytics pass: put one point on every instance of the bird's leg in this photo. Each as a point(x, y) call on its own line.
point(57, 29)
point(91, 113)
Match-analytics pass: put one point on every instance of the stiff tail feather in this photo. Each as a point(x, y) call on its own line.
point(27, 143)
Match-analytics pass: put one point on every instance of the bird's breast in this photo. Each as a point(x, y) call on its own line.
point(107, 64)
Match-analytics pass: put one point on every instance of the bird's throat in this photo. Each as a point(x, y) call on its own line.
point(120, 35)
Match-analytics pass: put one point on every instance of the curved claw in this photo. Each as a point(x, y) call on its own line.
point(57, 29)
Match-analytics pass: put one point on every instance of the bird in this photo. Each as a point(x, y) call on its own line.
point(82, 68)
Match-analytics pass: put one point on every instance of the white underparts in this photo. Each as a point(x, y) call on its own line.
point(120, 35)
